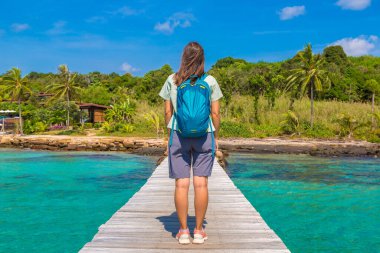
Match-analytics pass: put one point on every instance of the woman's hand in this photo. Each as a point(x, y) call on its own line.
point(166, 152)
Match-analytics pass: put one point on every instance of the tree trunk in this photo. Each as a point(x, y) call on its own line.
point(19, 116)
point(311, 105)
point(68, 112)
point(373, 111)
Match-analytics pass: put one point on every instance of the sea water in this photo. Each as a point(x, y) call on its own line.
point(314, 204)
point(55, 201)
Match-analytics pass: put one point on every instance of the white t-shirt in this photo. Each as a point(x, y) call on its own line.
point(169, 92)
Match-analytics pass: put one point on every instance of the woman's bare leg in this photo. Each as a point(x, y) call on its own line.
point(200, 200)
point(181, 200)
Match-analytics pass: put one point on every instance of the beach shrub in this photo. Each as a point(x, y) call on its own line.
point(28, 127)
point(154, 120)
point(262, 130)
point(319, 130)
point(291, 124)
point(233, 129)
point(117, 127)
point(97, 125)
point(88, 125)
point(348, 125)
point(121, 112)
point(40, 127)
point(106, 127)
point(127, 128)
point(34, 127)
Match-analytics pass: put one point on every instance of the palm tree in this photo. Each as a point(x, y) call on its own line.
point(16, 87)
point(67, 88)
point(308, 76)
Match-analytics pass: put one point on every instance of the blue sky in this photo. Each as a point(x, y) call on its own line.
point(138, 36)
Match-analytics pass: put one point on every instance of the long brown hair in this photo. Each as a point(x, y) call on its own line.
point(192, 62)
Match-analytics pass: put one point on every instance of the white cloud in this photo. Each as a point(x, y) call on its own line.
point(292, 12)
point(374, 38)
point(354, 4)
point(96, 19)
point(362, 45)
point(179, 19)
point(58, 28)
point(16, 27)
point(126, 11)
point(128, 68)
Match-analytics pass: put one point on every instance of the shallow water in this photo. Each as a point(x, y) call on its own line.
point(55, 201)
point(314, 204)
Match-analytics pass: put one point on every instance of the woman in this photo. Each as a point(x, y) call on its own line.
point(185, 152)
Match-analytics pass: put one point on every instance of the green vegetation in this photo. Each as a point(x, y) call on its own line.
point(309, 76)
point(67, 88)
point(326, 95)
point(15, 87)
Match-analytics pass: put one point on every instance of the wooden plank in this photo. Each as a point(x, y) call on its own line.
point(148, 221)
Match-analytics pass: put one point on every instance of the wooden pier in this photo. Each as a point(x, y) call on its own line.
point(148, 221)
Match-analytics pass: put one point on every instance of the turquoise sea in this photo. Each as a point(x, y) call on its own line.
point(314, 204)
point(55, 201)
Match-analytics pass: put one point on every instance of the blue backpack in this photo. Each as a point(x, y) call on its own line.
point(193, 109)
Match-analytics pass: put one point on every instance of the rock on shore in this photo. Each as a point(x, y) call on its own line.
point(151, 146)
point(83, 143)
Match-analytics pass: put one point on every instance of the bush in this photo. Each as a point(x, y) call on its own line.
point(117, 127)
point(127, 128)
point(319, 130)
point(88, 125)
point(106, 127)
point(40, 127)
point(97, 125)
point(34, 127)
point(291, 124)
point(262, 131)
point(232, 129)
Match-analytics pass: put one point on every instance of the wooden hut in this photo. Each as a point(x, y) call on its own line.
point(95, 113)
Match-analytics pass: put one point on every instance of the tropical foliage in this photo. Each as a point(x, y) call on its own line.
point(317, 88)
point(17, 88)
point(65, 88)
point(308, 77)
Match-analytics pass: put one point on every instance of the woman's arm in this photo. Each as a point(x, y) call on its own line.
point(215, 115)
point(168, 113)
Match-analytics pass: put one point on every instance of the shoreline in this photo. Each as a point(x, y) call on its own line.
point(156, 146)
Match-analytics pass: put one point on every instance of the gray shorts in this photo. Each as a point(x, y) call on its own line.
point(184, 150)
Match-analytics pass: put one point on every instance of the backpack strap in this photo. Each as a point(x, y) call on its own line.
point(172, 130)
point(203, 77)
point(212, 140)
